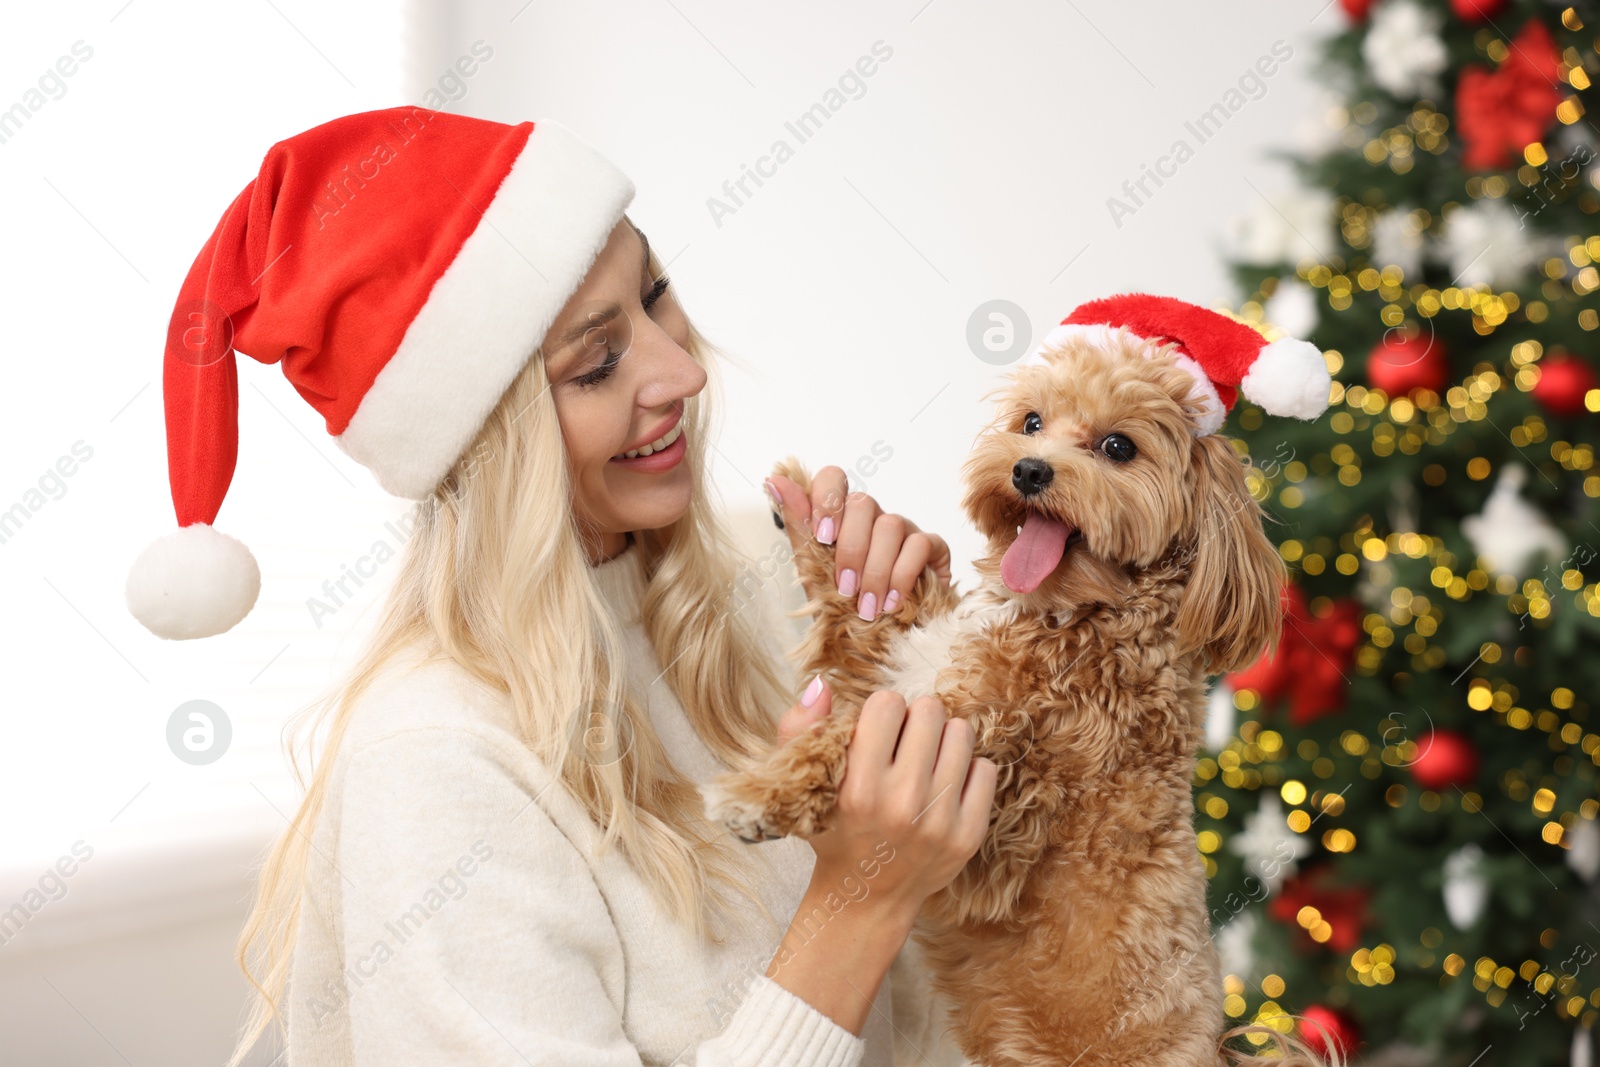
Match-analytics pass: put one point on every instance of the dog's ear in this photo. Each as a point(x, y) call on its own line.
point(1231, 610)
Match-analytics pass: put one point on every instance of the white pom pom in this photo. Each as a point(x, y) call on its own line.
point(193, 582)
point(1289, 377)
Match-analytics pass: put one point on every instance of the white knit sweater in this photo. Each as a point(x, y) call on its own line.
point(457, 911)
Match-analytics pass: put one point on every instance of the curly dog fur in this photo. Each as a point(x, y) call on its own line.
point(1078, 933)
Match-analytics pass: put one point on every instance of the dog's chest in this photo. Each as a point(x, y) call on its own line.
point(915, 657)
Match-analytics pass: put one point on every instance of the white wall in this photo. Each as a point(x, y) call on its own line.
point(974, 164)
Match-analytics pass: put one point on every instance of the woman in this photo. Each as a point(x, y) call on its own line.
point(501, 856)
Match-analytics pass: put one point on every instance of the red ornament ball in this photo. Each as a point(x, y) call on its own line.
point(1444, 759)
point(1477, 10)
point(1563, 384)
point(1356, 9)
point(1402, 362)
point(1321, 1027)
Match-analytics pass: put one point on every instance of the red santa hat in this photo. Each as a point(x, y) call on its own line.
point(401, 266)
point(1225, 356)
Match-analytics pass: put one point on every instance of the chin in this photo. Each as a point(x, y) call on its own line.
point(652, 510)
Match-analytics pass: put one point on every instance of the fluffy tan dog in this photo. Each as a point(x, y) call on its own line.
point(1126, 561)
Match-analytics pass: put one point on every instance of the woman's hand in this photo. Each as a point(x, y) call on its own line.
point(911, 811)
point(913, 795)
point(878, 556)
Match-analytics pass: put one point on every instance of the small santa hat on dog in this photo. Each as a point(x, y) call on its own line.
point(1225, 356)
point(401, 266)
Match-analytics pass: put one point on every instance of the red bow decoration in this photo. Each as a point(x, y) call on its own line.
point(1344, 909)
point(1499, 112)
point(1313, 655)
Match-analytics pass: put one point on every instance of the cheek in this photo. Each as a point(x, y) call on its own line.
point(591, 423)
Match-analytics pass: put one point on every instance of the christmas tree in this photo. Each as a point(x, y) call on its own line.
point(1397, 808)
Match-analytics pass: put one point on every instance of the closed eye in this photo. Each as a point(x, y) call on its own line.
point(655, 292)
point(602, 372)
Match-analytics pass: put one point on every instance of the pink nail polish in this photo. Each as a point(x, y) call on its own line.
point(847, 581)
point(869, 606)
point(813, 691)
point(773, 493)
point(825, 531)
point(891, 601)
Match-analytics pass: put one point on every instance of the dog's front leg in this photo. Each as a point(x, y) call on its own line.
point(794, 790)
point(839, 643)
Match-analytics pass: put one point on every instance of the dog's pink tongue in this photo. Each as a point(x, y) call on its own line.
point(1034, 554)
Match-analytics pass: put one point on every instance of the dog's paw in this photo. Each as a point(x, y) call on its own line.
point(730, 803)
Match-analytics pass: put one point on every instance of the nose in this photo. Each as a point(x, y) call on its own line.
point(1031, 476)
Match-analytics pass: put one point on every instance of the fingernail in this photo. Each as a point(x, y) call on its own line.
point(869, 606)
point(773, 493)
point(813, 691)
point(847, 581)
point(825, 531)
point(891, 601)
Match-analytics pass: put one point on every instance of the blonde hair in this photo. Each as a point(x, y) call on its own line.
point(495, 579)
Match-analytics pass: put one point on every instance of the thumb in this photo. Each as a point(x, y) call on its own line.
point(794, 512)
point(799, 718)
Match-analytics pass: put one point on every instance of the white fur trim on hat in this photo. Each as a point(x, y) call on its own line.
point(1058, 336)
point(192, 582)
point(489, 311)
point(1289, 377)
point(1207, 420)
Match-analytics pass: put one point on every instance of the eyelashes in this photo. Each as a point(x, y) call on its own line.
point(602, 372)
point(655, 292)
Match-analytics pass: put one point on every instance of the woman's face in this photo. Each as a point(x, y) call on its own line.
point(619, 372)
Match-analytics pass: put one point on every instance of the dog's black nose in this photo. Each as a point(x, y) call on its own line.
point(1031, 475)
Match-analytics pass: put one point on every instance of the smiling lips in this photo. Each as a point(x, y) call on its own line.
point(660, 455)
point(667, 432)
point(660, 444)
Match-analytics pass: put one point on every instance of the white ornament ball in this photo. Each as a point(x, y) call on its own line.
point(1509, 533)
point(1397, 241)
point(1466, 889)
point(1220, 716)
point(1583, 849)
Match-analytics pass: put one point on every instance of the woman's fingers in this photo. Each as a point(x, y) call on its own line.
point(794, 509)
point(938, 553)
point(914, 554)
point(977, 802)
point(829, 488)
point(876, 734)
point(855, 538)
point(918, 749)
point(876, 553)
point(877, 571)
point(799, 718)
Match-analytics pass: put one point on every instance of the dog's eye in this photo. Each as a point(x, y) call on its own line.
point(1033, 423)
point(1118, 447)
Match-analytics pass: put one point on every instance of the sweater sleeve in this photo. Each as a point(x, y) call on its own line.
point(475, 933)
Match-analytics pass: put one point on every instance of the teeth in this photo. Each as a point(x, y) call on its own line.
point(655, 446)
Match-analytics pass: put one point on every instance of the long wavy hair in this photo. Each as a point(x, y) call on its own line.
point(495, 579)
